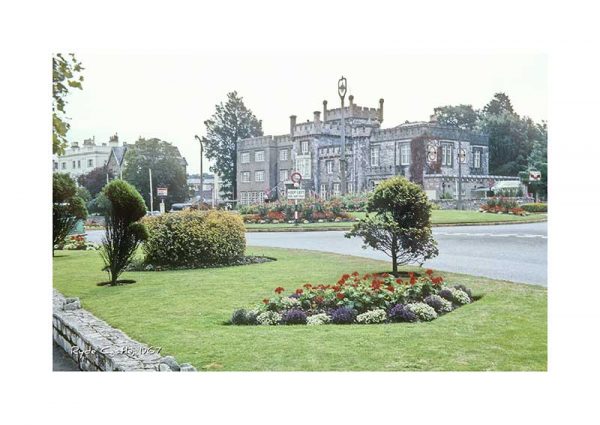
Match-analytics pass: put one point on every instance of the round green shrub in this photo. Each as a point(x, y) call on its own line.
point(126, 203)
point(195, 238)
point(535, 208)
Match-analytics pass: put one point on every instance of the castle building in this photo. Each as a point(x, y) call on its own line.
point(373, 154)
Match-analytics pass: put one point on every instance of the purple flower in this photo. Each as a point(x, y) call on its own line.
point(294, 296)
point(447, 294)
point(343, 315)
point(294, 317)
point(399, 314)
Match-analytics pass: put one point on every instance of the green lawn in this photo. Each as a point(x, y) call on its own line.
point(184, 311)
point(438, 217)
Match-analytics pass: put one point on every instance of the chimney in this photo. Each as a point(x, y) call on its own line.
point(317, 117)
point(292, 124)
point(380, 110)
point(113, 140)
point(351, 99)
point(324, 110)
point(75, 145)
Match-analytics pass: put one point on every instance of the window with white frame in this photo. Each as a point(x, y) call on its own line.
point(304, 147)
point(90, 163)
point(404, 154)
point(79, 163)
point(259, 156)
point(283, 175)
point(350, 187)
point(329, 166)
point(63, 165)
point(74, 164)
point(336, 189)
point(283, 155)
point(259, 176)
point(447, 155)
point(245, 157)
point(245, 176)
point(374, 156)
point(303, 166)
point(476, 158)
point(323, 191)
point(244, 198)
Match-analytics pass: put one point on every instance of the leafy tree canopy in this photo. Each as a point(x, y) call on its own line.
point(461, 116)
point(231, 122)
point(66, 74)
point(95, 180)
point(167, 170)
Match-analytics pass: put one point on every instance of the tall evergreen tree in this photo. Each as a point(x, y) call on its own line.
point(231, 122)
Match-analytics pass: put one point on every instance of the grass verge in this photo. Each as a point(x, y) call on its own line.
point(183, 312)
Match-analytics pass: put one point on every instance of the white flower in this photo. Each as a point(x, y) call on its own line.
point(289, 303)
point(374, 316)
point(423, 311)
point(269, 318)
point(460, 296)
point(318, 319)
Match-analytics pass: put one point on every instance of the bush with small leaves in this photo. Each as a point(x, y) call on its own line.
point(374, 316)
point(464, 289)
point(243, 317)
point(438, 303)
point(459, 296)
point(399, 313)
point(294, 317)
point(423, 311)
point(446, 294)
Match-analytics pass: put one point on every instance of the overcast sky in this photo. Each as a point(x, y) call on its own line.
point(170, 95)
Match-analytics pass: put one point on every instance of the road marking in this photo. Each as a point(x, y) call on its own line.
point(493, 235)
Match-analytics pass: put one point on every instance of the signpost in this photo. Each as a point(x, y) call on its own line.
point(535, 176)
point(296, 194)
point(161, 192)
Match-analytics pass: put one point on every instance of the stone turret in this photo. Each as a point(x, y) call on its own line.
point(381, 110)
point(324, 110)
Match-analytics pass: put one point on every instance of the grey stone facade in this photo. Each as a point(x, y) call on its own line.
point(373, 154)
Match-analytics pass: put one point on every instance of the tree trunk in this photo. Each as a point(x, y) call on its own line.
point(394, 256)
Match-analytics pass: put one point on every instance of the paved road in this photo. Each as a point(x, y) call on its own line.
point(516, 252)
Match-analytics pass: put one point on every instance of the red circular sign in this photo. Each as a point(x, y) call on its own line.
point(296, 177)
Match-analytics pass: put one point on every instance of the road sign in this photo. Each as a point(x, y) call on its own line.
point(462, 156)
point(296, 194)
point(296, 177)
point(161, 191)
point(535, 176)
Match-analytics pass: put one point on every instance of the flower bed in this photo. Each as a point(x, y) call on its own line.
point(309, 211)
point(78, 243)
point(368, 299)
point(502, 205)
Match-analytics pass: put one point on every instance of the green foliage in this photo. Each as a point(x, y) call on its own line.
point(461, 116)
point(67, 207)
point(66, 74)
point(398, 223)
point(535, 208)
point(231, 122)
point(195, 239)
point(84, 194)
point(167, 170)
point(99, 205)
point(95, 180)
point(123, 233)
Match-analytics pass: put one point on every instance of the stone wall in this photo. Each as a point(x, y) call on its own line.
point(96, 346)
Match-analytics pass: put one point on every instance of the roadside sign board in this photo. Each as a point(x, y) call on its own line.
point(296, 177)
point(296, 194)
point(535, 176)
point(161, 191)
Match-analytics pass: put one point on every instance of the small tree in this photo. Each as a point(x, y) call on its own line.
point(123, 231)
point(398, 223)
point(67, 207)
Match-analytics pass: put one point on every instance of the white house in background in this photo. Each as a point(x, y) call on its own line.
point(81, 159)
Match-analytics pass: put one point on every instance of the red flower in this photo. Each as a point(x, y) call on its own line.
point(336, 288)
point(354, 274)
point(307, 285)
point(340, 296)
point(437, 280)
point(299, 291)
point(390, 288)
point(318, 299)
point(346, 276)
point(266, 301)
point(385, 275)
point(413, 279)
point(376, 284)
point(399, 281)
point(429, 272)
point(279, 290)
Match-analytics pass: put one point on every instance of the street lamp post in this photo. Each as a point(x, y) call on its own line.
point(342, 89)
point(461, 156)
point(201, 173)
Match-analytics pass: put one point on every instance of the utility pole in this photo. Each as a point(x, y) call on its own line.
point(151, 196)
point(342, 89)
point(201, 172)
